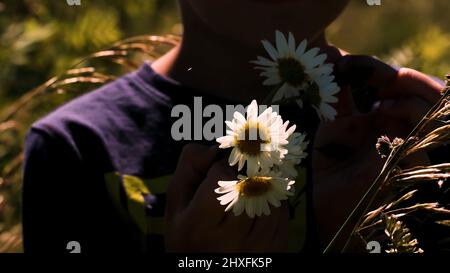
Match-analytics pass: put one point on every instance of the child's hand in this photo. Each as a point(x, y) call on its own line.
point(345, 161)
point(196, 222)
point(400, 91)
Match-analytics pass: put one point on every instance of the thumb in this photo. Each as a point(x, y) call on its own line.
point(193, 165)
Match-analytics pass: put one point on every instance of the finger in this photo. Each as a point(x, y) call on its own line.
point(411, 109)
point(338, 142)
point(193, 165)
point(239, 225)
point(346, 105)
point(412, 82)
point(264, 229)
point(236, 228)
point(204, 203)
point(281, 236)
point(386, 81)
point(349, 130)
point(358, 71)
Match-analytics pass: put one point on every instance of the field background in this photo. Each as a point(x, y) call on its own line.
point(42, 38)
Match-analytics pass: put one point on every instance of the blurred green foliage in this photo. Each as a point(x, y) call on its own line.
point(42, 38)
point(411, 33)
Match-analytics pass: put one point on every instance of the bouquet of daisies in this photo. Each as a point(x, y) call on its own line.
point(264, 144)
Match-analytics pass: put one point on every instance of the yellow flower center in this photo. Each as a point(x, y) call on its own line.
point(254, 186)
point(250, 142)
point(292, 71)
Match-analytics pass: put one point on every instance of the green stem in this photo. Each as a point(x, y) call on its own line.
point(268, 99)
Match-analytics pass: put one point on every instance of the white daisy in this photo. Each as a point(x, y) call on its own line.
point(302, 75)
point(327, 91)
point(257, 140)
point(254, 194)
point(296, 153)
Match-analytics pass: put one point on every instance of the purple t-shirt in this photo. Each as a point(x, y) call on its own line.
point(96, 169)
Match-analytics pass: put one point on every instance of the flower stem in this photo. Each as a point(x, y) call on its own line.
point(268, 99)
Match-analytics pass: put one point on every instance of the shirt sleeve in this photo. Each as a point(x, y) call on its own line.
point(65, 200)
point(52, 170)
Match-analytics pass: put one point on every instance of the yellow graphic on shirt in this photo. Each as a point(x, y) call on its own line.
point(136, 188)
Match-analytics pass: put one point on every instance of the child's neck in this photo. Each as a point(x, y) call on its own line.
point(214, 66)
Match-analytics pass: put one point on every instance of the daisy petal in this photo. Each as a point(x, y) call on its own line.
point(281, 43)
point(275, 80)
point(252, 111)
point(239, 118)
point(328, 112)
point(252, 166)
point(301, 48)
point(271, 50)
point(264, 62)
point(250, 208)
point(225, 141)
point(239, 207)
point(291, 44)
point(234, 157)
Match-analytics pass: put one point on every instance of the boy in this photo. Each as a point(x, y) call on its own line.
point(97, 169)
